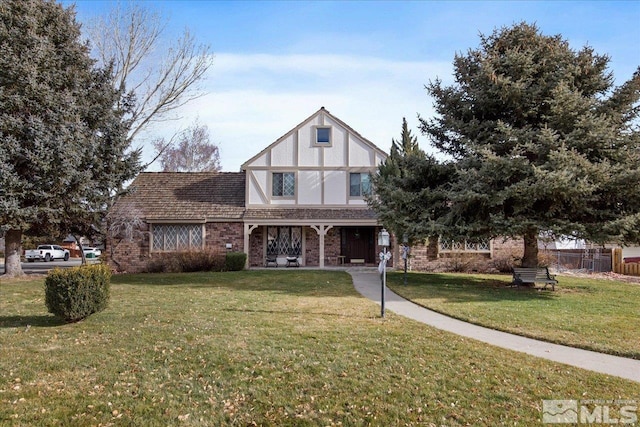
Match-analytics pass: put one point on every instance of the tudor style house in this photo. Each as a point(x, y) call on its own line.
point(305, 196)
point(301, 198)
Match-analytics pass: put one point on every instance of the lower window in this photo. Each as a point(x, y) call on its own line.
point(284, 241)
point(464, 246)
point(177, 237)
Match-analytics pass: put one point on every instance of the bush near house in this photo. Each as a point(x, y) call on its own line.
point(186, 262)
point(235, 261)
point(195, 261)
point(75, 293)
point(468, 263)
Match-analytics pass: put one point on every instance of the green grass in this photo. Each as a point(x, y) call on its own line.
point(262, 348)
point(600, 315)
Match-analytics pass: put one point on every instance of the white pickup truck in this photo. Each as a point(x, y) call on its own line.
point(47, 253)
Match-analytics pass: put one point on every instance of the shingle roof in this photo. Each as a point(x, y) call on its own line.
point(188, 195)
point(307, 213)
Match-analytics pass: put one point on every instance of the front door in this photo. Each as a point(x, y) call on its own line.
point(358, 244)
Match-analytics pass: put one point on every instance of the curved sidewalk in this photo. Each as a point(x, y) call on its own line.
point(368, 284)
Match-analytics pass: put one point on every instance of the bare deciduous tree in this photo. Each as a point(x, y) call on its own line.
point(158, 78)
point(193, 152)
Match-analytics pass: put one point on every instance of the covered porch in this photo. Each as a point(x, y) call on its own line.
point(273, 238)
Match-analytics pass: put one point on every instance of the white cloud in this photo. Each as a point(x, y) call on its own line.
point(255, 99)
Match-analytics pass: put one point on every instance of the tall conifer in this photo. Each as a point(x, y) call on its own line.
point(63, 149)
point(542, 139)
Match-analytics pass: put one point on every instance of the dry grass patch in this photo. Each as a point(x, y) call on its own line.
point(594, 314)
point(262, 348)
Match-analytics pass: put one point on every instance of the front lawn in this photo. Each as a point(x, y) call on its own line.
point(601, 315)
point(262, 348)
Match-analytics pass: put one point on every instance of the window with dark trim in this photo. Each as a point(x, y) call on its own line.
point(359, 184)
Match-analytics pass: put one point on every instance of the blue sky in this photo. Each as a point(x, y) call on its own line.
point(366, 62)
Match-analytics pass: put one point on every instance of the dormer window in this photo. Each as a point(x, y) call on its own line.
point(323, 135)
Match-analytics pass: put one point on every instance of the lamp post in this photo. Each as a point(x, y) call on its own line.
point(383, 240)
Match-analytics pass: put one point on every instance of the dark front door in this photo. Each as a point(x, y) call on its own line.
point(358, 244)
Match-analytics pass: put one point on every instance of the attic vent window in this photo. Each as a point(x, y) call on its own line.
point(323, 136)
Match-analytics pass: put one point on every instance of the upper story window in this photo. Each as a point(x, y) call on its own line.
point(359, 184)
point(284, 184)
point(323, 135)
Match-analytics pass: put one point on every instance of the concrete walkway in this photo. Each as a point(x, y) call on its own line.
point(368, 284)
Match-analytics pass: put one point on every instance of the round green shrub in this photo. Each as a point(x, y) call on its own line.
point(235, 261)
point(75, 293)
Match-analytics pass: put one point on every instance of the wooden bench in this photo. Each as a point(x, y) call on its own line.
point(522, 275)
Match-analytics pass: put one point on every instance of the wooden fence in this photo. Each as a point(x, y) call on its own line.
point(620, 267)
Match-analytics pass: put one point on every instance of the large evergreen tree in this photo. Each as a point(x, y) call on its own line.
point(63, 145)
point(542, 141)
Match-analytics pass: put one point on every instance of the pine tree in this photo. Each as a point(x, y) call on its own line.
point(409, 189)
point(408, 144)
point(63, 149)
point(542, 140)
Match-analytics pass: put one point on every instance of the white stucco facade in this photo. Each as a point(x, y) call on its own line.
point(313, 177)
point(321, 171)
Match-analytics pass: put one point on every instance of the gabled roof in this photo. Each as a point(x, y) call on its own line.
point(187, 196)
point(322, 110)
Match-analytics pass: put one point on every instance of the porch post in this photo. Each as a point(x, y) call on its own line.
point(248, 228)
point(321, 230)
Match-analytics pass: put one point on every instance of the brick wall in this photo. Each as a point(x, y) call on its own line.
point(425, 257)
point(134, 256)
point(312, 247)
point(129, 256)
point(218, 234)
point(256, 247)
point(332, 247)
point(507, 248)
point(419, 257)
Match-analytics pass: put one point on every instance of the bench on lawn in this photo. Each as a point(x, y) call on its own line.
point(522, 275)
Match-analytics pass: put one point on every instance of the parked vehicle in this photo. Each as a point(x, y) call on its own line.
point(47, 253)
point(91, 252)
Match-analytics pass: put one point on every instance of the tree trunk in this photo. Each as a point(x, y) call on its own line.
point(530, 258)
point(13, 253)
